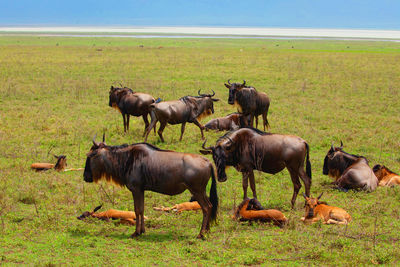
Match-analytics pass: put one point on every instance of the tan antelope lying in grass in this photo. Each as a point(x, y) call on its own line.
point(178, 208)
point(251, 210)
point(316, 211)
point(125, 217)
point(385, 176)
point(60, 165)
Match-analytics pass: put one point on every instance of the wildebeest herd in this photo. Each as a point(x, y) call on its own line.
point(143, 166)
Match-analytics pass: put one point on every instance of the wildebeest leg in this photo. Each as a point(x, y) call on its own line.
point(152, 125)
point(127, 122)
point(146, 124)
point(195, 121)
point(252, 183)
point(206, 208)
point(138, 200)
point(296, 184)
point(256, 121)
point(245, 184)
point(182, 130)
point(265, 120)
point(123, 117)
point(306, 180)
point(251, 120)
point(161, 129)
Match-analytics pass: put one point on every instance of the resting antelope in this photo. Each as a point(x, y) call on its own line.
point(126, 217)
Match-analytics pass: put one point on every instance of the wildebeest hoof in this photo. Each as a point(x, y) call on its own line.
point(201, 236)
point(135, 235)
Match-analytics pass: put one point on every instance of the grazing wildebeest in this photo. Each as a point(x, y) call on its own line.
point(249, 149)
point(249, 101)
point(317, 211)
point(230, 122)
point(142, 167)
point(60, 165)
point(251, 210)
point(186, 109)
point(125, 217)
point(385, 176)
point(349, 171)
point(131, 103)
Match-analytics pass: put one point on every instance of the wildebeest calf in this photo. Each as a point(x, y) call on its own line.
point(230, 122)
point(385, 176)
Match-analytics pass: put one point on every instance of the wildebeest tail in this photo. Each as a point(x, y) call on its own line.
point(213, 195)
point(308, 163)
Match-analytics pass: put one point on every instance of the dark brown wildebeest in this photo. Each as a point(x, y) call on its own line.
point(385, 176)
point(142, 167)
point(249, 149)
point(349, 171)
point(230, 122)
point(186, 109)
point(131, 103)
point(249, 101)
point(60, 165)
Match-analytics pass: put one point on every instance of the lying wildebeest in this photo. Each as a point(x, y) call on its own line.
point(178, 208)
point(385, 176)
point(249, 101)
point(125, 217)
point(131, 103)
point(230, 122)
point(251, 210)
point(249, 149)
point(349, 171)
point(316, 211)
point(186, 109)
point(60, 165)
point(142, 167)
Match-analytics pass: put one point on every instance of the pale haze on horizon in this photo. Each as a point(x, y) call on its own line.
point(351, 14)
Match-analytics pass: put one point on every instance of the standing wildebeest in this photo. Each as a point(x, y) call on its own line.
point(142, 167)
point(249, 101)
point(230, 122)
point(186, 109)
point(349, 171)
point(249, 149)
point(130, 103)
point(385, 176)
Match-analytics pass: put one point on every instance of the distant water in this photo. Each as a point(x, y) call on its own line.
point(206, 32)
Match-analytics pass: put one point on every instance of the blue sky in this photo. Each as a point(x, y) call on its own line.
point(362, 14)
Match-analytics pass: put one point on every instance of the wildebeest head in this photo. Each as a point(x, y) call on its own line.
point(331, 160)
point(224, 154)
point(233, 88)
point(88, 213)
point(208, 102)
point(61, 162)
point(116, 93)
point(311, 204)
point(93, 170)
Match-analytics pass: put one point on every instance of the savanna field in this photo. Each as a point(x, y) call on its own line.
point(54, 99)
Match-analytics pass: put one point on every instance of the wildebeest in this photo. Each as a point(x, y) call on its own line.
point(249, 101)
point(186, 109)
point(316, 211)
point(60, 165)
point(131, 103)
point(385, 176)
point(249, 149)
point(125, 217)
point(230, 122)
point(251, 210)
point(142, 167)
point(178, 208)
point(349, 171)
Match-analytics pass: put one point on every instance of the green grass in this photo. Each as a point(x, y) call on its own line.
point(54, 95)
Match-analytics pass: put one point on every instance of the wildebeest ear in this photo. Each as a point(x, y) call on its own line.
point(205, 152)
point(215, 99)
point(227, 86)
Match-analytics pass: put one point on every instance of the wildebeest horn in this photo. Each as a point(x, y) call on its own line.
point(341, 144)
point(320, 195)
point(94, 140)
point(244, 83)
point(229, 82)
point(332, 147)
point(213, 93)
point(198, 92)
point(206, 148)
point(104, 137)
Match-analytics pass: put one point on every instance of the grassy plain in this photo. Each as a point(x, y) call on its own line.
point(54, 95)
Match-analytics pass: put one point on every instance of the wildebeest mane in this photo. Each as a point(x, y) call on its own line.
point(246, 98)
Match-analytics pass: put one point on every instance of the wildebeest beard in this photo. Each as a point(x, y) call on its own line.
point(220, 162)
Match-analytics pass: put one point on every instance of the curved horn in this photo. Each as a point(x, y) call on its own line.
point(104, 137)
point(94, 140)
point(320, 195)
point(244, 83)
point(213, 93)
point(341, 144)
point(206, 148)
point(332, 147)
point(198, 92)
point(229, 82)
